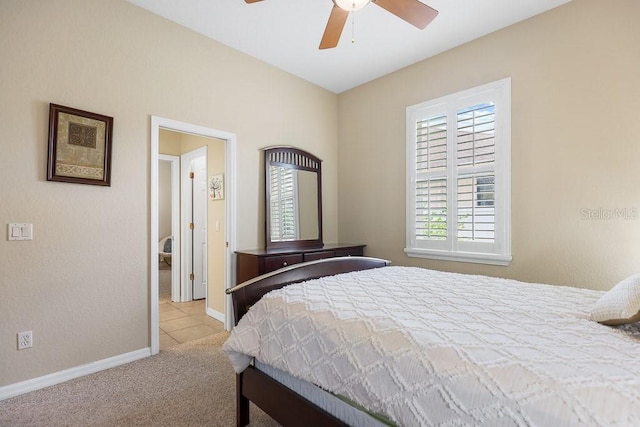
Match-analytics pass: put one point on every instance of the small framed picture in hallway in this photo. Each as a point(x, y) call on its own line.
point(216, 187)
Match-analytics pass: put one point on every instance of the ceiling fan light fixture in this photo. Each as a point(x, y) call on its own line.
point(351, 5)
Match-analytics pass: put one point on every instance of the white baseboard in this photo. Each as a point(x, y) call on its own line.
point(22, 387)
point(215, 314)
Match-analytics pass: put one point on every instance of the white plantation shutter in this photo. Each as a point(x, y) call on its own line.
point(431, 209)
point(476, 211)
point(431, 182)
point(458, 184)
point(283, 204)
point(431, 144)
point(475, 149)
point(476, 142)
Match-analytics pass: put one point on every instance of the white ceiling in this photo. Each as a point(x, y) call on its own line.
point(286, 33)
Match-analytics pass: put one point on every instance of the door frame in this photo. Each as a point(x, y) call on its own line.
point(174, 161)
point(230, 231)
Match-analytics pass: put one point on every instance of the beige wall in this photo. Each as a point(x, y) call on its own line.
point(575, 143)
point(82, 285)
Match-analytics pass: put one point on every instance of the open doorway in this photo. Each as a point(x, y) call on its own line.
point(219, 223)
point(169, 227)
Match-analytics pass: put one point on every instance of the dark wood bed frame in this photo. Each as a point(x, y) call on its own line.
point(282, 404)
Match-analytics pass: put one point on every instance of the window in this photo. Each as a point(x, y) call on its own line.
point(284, 212)
point(459, 176)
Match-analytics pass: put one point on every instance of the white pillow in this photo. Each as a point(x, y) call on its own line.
point(620, 305)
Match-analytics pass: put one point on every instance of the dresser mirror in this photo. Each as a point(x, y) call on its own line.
point(293, 199)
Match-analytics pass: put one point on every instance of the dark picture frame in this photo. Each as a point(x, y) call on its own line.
point(79, 146)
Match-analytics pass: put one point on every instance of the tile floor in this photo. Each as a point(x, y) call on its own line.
point(185, 321)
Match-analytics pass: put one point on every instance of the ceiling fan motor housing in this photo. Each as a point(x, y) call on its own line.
point(351, 5)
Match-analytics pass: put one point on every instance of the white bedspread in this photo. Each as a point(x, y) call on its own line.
point(424, 347)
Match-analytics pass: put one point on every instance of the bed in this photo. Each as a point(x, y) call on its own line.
point(408, 346)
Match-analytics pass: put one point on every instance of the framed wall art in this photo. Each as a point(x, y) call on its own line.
point(216, 187)
point(79, 146)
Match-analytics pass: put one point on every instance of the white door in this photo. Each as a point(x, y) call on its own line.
point(199, 220)
point(193, 201)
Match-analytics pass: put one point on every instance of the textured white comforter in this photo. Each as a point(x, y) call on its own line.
point(424, 347)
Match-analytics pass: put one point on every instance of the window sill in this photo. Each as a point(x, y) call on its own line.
point(477, 258)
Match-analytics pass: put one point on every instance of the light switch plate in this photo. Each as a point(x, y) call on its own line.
point(20, 231)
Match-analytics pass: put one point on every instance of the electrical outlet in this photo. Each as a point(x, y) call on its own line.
point(25, 340)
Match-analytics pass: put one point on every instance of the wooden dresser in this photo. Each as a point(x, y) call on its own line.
point(253, 263)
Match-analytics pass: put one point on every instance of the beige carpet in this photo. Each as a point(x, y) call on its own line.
point(191, 384)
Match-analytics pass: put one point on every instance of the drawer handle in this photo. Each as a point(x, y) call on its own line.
point(284, 264)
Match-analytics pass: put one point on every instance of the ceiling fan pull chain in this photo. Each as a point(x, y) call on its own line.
point(353, 26)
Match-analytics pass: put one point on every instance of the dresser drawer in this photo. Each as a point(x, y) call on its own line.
point(312, 256)
point(275, 262)
point(253, 263)
point(349, 252)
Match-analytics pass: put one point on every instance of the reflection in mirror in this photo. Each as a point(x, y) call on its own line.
point(293, 198)
point(294, 204)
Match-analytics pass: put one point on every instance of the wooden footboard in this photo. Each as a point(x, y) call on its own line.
point(248, 293)
point(282, 404)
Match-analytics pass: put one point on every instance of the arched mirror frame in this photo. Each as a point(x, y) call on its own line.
point(294, 158)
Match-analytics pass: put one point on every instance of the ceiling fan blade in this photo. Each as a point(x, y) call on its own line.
point(414, 12)
point(251, 1)
point(333, 31)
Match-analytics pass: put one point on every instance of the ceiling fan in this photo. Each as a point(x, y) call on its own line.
point(414, 12)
